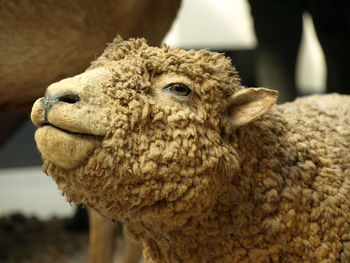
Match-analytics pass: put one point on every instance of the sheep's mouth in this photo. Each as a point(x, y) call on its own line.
point(71, 132)
point(64, 148)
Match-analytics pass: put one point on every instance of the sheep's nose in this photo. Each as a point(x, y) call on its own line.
point(68, 98)
point(49, 101)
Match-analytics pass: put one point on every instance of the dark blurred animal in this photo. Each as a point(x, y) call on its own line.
point(44, 41)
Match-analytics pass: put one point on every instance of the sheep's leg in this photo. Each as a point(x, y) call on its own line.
point(102, 238)
point(132, 250)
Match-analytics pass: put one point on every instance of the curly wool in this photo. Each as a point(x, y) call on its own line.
point(274, 190)
point(298, 171)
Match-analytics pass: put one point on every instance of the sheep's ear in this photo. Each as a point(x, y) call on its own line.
point(249, 104)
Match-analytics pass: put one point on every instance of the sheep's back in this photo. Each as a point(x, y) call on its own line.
point(319, 131)
point(327, 114)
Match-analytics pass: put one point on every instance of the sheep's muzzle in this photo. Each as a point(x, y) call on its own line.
point(70, 123)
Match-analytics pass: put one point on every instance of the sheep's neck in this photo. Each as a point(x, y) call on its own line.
point(264, 152)
point(201, 239)
point(211, 236)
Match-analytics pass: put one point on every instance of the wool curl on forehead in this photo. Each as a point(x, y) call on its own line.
point(197, 65)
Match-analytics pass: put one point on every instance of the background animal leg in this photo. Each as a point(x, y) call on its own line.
point(102, 238)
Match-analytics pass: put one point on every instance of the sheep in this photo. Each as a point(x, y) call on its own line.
point(198, 167)
point(44, 41)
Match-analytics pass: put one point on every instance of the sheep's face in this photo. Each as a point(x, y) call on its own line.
point(140, 130)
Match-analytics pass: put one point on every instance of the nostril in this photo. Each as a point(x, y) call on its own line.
point(68, 98)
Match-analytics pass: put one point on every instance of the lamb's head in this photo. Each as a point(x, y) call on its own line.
point(143, 129)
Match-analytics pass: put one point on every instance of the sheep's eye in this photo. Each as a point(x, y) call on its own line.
point(178, 89)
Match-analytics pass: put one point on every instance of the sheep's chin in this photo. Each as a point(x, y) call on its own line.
point(64, 149)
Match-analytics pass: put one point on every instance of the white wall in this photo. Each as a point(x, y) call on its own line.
point(30, 191)
point(311, 67)
point(217, 24)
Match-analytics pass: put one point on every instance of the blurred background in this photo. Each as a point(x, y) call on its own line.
point(222, 25)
